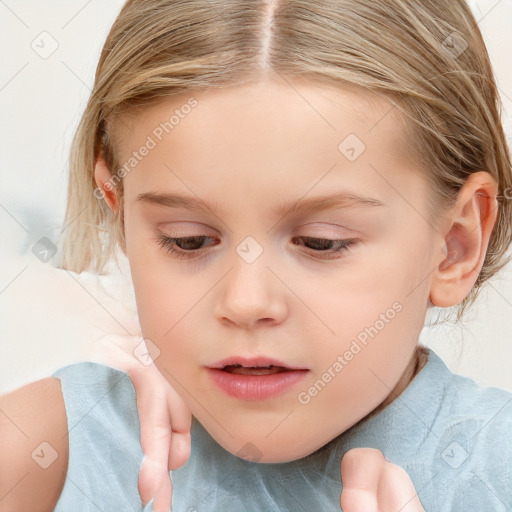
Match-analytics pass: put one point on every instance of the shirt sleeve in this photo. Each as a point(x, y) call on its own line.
point(104, 439)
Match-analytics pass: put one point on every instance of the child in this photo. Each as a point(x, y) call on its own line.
point(294, 184)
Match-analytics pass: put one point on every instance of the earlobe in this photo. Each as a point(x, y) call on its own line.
point(465, 241)
point(102, 176)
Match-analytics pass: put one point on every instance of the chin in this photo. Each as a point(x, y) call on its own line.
point(259, 448)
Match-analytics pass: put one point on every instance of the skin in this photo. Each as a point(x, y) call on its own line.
point(243, 151)
point(31, 474)
point(255, 308)
point(247, 149)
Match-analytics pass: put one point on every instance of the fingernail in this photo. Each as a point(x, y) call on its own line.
point(148, 507)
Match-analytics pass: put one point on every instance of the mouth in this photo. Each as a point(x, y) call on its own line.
point(261, 365)
point(238, 369)
point(255, 378)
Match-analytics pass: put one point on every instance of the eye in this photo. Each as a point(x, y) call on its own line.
point(193, 246)
point(183, 247)
point(325, 247)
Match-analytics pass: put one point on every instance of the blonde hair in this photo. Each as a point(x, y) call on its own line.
point(428, 56)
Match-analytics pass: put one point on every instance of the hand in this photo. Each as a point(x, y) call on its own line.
point(165, 420)
point(165, 434)
point(373, 484)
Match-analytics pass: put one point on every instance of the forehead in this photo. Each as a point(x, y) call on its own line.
point(271, 111)
point(273, 135)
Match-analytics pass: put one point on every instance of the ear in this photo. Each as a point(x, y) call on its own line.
point(102, 176)
point(466, 237)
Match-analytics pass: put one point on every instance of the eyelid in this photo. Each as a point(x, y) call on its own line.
point(168, 243)
point(327, 230)
point(189, 228)
point(344, 245)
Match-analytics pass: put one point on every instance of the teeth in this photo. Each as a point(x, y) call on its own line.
point(260, 370)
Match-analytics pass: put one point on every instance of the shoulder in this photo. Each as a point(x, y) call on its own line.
point(486, 409)
point(99, 399)
point(452, 398)
point(33, 446)
point(104, 436)
point(474, 442)
point(88, 381)
point(453, 437)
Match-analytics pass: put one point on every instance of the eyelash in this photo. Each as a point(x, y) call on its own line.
point(170, 245)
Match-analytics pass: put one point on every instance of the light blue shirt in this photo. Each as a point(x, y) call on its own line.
point(453, 437)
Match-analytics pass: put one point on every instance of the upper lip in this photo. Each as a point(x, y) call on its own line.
point(249, 362)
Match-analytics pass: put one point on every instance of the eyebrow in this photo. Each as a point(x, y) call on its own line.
point(309, 205)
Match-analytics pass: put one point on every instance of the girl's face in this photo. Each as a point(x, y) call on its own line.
point(304, 237)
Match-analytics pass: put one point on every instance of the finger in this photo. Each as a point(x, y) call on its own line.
point(181, 422)
point(154, 482)
point(396, 490)
point(165, 431)
point(155, 420)
point(180, 450)
point(361, 469)
point(163, 495)
point(155, 429)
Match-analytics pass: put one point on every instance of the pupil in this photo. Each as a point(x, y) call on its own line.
point(190, 242)
point(315, 243)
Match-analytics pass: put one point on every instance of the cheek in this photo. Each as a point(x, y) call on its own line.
point(376, 308)
point(161, 291)
point(166, 309)
point(354, 295)
point(164, 300)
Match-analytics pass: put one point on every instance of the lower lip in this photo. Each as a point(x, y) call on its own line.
point(255, 387)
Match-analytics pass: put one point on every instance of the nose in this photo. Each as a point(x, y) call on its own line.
point(251, 297)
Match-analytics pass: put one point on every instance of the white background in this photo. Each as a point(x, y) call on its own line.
point(51, 317)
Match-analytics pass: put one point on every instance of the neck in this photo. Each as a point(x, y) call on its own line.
point(417, 362)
